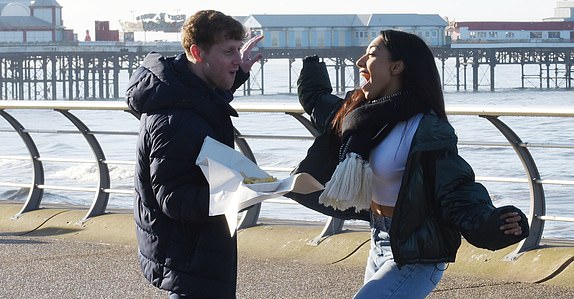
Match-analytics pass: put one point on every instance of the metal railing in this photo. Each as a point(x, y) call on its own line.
point(102, 191)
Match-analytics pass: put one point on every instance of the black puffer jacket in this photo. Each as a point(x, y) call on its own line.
point(439, 199)
point(181, 248)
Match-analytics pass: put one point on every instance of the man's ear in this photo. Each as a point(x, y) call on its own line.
point(196, 53)
point(398, 67)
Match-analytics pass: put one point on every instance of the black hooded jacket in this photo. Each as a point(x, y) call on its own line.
point(181, 248)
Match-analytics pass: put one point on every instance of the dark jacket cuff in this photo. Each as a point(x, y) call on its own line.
point(489, 235)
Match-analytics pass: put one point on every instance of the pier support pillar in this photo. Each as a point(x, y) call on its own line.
point(457, 65)
point(522, 74)
point(475, 66)
point(356, 77)
point(2, 76)
point(568, 76)
point(342, 71)
point(86, 78)
point(21, 77)
point(100, 80)
point(492, 63)
point(338, 63)
point(547, 75)
point(45, 62)
point(442, 71)
point(116, 78)
point(262, 62)
point(464, 75)
point(54, 78)
point(492, 66)
point(291, 60)
point(71, 78)
point(568, 70)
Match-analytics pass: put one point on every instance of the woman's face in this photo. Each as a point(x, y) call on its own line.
point(382, 76)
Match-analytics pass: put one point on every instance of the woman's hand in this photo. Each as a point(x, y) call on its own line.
point(246, 60)
point(511, 224)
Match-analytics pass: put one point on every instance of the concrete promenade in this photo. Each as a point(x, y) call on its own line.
point(49, 254)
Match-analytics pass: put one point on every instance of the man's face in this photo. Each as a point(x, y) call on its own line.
point(221, 62)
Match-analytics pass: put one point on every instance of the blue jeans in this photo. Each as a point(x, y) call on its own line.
point(383, 278)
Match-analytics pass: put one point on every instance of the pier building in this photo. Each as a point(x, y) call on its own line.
point(564, 11)
point(341, 30)
point(532, 32)
point(31, 22)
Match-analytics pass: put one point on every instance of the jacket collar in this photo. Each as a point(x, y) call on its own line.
point(433, 133)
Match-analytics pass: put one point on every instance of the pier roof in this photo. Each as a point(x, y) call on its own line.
point(344, 20)
point(311, 20)
point(46, 3)
point(13, 9)
point(23, 22)
point(406, 20)
point(516, 25)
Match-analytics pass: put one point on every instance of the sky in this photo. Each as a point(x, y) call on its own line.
point(81, 14)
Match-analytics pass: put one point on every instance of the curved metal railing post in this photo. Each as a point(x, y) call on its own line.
point(100, 201)
point(537, 199)
point(34, 194)
point(333, 225)
point(250, 217)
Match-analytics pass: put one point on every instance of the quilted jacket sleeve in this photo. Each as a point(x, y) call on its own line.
point(314, 91)
point(467, 205)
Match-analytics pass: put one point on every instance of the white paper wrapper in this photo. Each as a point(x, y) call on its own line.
point(223, 168)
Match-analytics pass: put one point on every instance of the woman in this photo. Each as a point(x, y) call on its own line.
point(399, 162)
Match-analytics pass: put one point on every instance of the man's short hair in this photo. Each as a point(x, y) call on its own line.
point(207, 27)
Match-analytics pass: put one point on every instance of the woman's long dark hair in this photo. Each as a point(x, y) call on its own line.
point(420, 77)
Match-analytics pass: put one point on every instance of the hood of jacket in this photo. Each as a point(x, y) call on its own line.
point(167, 82)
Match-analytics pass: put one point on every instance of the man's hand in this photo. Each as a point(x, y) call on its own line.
point(511, 224)
point(246, 60)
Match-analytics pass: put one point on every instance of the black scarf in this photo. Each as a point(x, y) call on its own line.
point(366, 126)
point(362, 129)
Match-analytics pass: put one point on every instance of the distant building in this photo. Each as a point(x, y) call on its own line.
point(340, 30)
point(103, 32)
point(564, 11)
point(161, 22)
point(32, 22)
point(486, 32)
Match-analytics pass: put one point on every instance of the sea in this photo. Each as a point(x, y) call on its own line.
point(56, 142)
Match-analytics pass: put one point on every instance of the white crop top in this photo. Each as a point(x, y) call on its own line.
point(388, 161)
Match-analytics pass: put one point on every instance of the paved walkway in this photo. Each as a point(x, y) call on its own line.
point(54, 257)
point(43, 267)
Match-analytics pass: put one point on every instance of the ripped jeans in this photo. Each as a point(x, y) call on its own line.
point(383, 279)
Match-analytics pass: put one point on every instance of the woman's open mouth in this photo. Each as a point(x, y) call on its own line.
point(366, 75)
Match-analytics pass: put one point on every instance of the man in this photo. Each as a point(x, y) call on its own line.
point(180, 100)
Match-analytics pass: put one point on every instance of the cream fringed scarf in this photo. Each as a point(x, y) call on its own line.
point(363, 128)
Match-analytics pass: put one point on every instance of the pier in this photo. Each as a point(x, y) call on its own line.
point(100, 70)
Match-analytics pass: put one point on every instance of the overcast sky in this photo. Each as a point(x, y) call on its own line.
point(81, 14)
